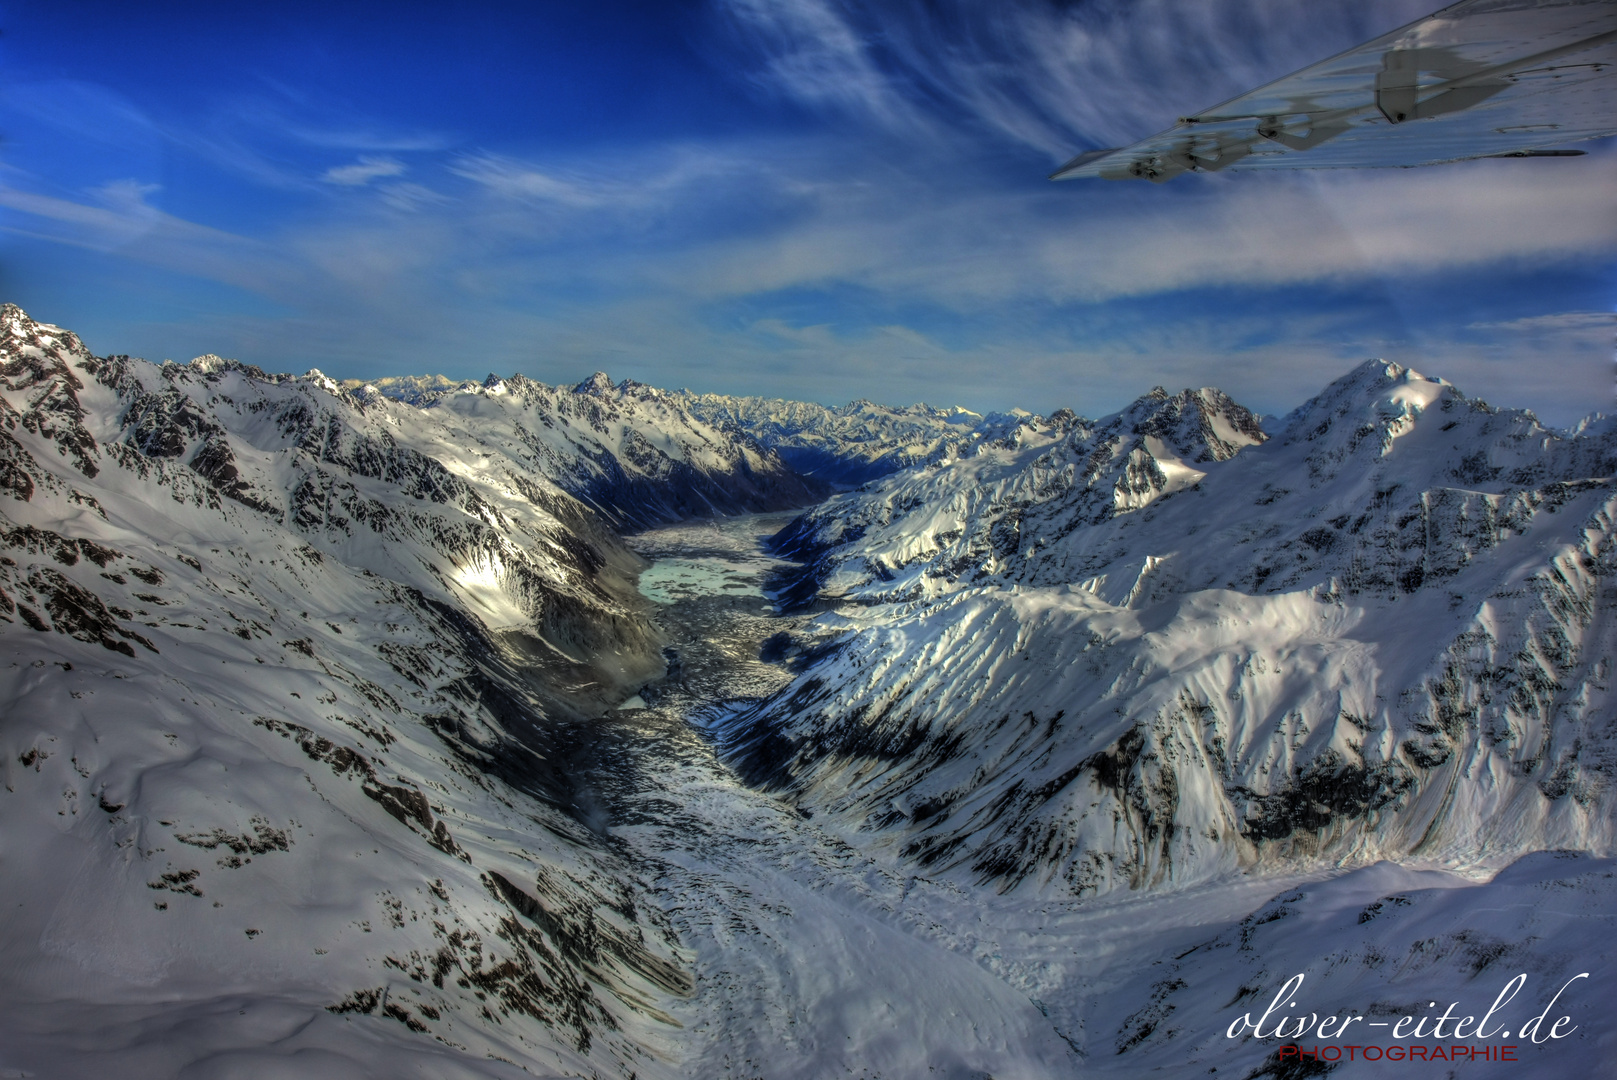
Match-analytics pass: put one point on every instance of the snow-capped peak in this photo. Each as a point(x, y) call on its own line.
point(325, 382)
point(598, 384)
point(209, 363)
point(1197, 425)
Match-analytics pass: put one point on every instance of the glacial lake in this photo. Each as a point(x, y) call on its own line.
point(720, 557)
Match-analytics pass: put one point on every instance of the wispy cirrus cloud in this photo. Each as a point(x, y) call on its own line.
point(514, 179)
point(1560, 322)
point(119, 219)
point(974, 245)
point(739, 219)
point(113, 215)
point(363, 171)
point(819, 52)
point(632, 181)
point(1052, 77)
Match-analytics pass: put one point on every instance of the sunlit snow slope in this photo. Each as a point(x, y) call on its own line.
point(636, 454)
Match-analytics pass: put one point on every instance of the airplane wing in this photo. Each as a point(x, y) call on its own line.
point(1481, 78)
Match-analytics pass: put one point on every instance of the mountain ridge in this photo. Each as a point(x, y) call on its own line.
point(1105, 659)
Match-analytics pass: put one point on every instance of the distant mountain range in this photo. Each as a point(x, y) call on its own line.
point(637, 455)
point(844, 446)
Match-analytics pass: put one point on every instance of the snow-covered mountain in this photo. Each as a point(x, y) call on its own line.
point(1085, 502)
point(723, 453)
point(857, 442)
point(317, 759)
point(1171, 985)
point(980, 516)
point(634, 453)
point(1165, 647)
point(288, 695)
point(410, 389)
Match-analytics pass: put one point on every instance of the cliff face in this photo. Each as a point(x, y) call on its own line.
point(1146, 652)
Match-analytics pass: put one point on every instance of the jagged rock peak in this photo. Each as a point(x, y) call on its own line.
point(16, 325)
point(598, 384)
point(1378, 402)
point(1199, 425)
point(324, 381)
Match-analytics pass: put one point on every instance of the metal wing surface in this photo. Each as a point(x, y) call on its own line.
point(1481, 78)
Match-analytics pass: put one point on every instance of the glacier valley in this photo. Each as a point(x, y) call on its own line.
point(424, 729)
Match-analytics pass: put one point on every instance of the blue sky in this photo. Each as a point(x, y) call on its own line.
point(803, 198)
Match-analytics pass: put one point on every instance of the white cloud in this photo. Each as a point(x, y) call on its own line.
point(812, 50)
point(117, 214)
point(119, 220)
point(409, 197)
point(363, 171)
point(630, 181)
point(704, 224)
point(514, 179)
point(970, 246)
point(1557, 323)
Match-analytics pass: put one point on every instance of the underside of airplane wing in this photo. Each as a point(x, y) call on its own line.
point(1481, 78)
